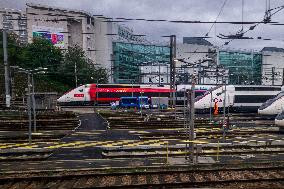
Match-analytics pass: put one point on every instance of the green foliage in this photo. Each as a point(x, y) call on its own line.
point(15, 51)
point(41, 53)
point(60, 64)
point(76, 64)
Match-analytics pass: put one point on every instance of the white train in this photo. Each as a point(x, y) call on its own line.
point(273, 106)
point(279, 120)
point(105, 93)
point(239, 98)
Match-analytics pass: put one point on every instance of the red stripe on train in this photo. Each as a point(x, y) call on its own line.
point(93, 91)
point(108, 99)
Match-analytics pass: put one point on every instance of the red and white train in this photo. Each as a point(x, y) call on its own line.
point(106, 93)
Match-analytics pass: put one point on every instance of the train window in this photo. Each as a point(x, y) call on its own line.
point(280, 95)
point(251, 98)
point(119, 86)
point(199, 93)
point(257, 88)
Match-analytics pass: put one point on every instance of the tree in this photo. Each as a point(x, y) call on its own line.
point(15, 50)
point(60, 64)
point(41, 53)
point(76, 64)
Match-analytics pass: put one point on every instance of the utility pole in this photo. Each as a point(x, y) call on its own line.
point(172, 69)
point(217, 75)
point(29, 108)
point(159, 86)
point(6, 69)
point(199, 72)
point(224, 111)
point(159, 74)
point(282, 76)
point(76, 77)
point(192, 117)
point(187, 124)
point(273, 75)
point(33, 101)
point(210, 110)
point(185, 118)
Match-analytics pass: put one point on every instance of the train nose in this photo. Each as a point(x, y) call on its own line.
point(263, 111)
point(61, 99)
point(260, 111)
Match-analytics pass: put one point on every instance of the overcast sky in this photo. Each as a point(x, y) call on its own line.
point(202, 10)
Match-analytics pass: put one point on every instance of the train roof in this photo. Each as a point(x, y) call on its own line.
point(255, 86)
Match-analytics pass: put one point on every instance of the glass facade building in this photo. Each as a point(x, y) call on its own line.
point(127, 57)
point(244, 67)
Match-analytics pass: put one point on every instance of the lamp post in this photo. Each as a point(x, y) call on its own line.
point(97, 93)
point(192, 116)
point(224, 110)
point(33, 72)
point(75, 74)
point(28, 72)
point(6, 69)
point(30, 97)
point(185, 118)
point(29, 108)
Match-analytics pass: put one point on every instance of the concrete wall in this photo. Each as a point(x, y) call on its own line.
point(16, 22)
point(77, 27)
point(103, 43)
point(75, 36)
point(150, 74)
point(184, 49)
point(39, 20)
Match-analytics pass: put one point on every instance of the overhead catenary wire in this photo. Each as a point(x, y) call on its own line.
point(267, 19)
point(122, 19)
point(242, 14)
point(214, 24)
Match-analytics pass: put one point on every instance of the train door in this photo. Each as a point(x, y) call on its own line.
point(229, 91)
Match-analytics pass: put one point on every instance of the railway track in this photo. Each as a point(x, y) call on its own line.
point(51, 127)
point(166, 129)
point(179, 153)
point(259, 176)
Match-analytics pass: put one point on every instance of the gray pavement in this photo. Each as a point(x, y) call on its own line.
point(85, 132)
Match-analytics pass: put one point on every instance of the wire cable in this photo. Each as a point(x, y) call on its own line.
point(221, 10)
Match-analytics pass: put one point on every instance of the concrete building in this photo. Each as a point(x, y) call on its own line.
point(107, 33)
point(129, 59)
point(68, 27)
point(14, 21)
point(63, 27)
point(244, 66)
point(152, 73)
point(155, 73)
point(194, 56)
point(272, 66)
point(194, 50)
